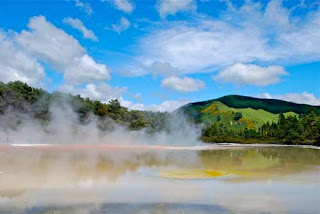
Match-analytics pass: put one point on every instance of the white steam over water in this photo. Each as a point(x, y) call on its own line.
point(65, 128)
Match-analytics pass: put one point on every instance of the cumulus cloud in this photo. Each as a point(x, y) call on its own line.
point(123, 25)
point(165, 106)
point(102, 91)
point(85, 69)
point(49, 43)
point(304, 98)
point(85, 7)
point(171, 7)
point(183, 84)
point(61, 51)
point(78, 25)
point(249, 74)
point(126, 6)
point(16, 64)
point(244, 34)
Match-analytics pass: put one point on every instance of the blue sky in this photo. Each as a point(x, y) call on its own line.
point(158, 55)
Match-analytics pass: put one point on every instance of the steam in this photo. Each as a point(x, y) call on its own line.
point(64, 127)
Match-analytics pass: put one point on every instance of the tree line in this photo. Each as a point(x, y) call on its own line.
point(304, 129)
point(18, 97)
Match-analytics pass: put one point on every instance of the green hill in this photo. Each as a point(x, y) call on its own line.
point(258, 117)
point(270, 105)
point(254, 111)
point(241, 119)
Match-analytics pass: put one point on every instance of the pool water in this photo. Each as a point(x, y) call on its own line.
point(219, 179)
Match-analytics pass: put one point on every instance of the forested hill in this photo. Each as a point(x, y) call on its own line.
point(237, 118)
point(271, 105)
point(263, 110)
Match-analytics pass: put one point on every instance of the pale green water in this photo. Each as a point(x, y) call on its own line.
point(127, 180)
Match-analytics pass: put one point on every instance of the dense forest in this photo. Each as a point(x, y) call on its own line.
point(238, 123)
point(304, 129)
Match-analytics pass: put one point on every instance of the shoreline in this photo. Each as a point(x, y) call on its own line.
point(217, 146)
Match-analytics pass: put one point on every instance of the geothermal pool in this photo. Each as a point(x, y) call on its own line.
point(154, 179)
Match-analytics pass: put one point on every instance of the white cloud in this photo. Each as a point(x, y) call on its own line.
point(248, 74)
point(16, 64)
point(50, 44)
point(246, 34)
point(135, 68)
point(123, 25)
point(184, 84)
point(304, 98)
point(85, 7)
point(171, 7)
point(165, 106)
point(102, 92)
point(265, 95)
point(168, 105)
point(85, 69)
point(78, 25)
point(163, 68)
point(276, 16)
point(61, 51)
point(126, 6)
point(196, 48)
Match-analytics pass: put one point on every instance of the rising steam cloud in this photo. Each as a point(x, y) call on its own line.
point(64, 127)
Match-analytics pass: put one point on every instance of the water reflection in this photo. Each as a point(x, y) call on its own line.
point(48, 180)
point(262, 163)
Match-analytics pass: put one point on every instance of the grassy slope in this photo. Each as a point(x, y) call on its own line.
point(252, 118)
point(255, 109)
point(260, 116)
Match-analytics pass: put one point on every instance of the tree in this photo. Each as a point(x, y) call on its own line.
point(114, 105)
point(210, 130)
point(237, 116)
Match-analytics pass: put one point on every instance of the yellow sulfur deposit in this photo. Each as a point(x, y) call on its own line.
point(192, 174)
